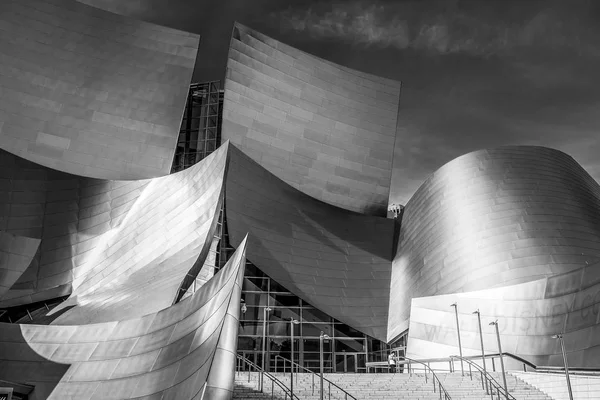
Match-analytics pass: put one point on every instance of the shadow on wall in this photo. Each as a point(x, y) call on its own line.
point(19, 360)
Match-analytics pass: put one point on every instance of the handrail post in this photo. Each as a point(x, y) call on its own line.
point(495, 323)
point(462, 369)
point(482, 349)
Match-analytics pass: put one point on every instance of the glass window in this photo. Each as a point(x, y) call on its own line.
point(314, 315)
point(350, 345)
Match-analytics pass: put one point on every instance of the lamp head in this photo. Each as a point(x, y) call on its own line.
point(557, 336)
point(453, 305)
point(494, 323)
point(294, 321)
point(476, 312)
point(268, 308)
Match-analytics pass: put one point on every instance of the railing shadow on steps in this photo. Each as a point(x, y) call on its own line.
point(274, 381)
point(298, 367)
point(488, 383)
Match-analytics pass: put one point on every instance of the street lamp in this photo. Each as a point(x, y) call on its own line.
point(462, 369)
point(292, 323)
point(495, 323)
point(264, 344)
point(482, 350)
point(564, 354)
point(321, 338)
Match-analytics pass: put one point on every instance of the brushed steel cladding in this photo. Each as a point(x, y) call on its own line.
point(68, 213)
point(139, 268)
point(89, 92)
point(98, 236)
point(169, 354)
point(324, 129)
point(336, 260)
point(528, 315)
point(494, 218)
point(16, 253)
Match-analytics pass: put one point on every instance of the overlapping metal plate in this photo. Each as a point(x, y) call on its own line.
point(185, 351)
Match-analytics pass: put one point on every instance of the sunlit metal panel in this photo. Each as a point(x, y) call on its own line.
point(182, 347)
point(324, 129)
point(494, 218)
point(89, 92)
point(528, 316)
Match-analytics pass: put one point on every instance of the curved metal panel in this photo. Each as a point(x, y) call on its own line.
point(16, 253)
point(528, 315)
point(336, 260)
point(324, 129)
point(90, 226)
point(139, 267)
point(494, 218)
point(68, 213)
point(89, 92)
point(169, 354)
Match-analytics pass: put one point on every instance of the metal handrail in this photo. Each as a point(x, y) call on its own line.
point(540, 368)
point(488, 379)
point(346, 394)
point(435, 378)
point(273, 379)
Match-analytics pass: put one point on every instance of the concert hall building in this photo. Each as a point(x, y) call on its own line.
point(151, 228)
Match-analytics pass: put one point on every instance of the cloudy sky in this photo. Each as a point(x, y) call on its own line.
point(475, 74)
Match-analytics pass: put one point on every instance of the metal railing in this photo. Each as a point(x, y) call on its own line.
point(536, 368)
point(487, 381)
point(300, 367)
point(409, 362)
point(274, 381)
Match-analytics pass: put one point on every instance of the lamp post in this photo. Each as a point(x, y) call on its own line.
point(495, 323)
point(462, 369)
point(264, 345)
point(321, 338)
point(292, 323)
point(564, 354)
point(482, 350)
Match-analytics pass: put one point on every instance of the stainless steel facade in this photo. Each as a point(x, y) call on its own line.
point(497, 219)
point(513, 231)
point(89, 92)
point(528, 315)
point(336, 260)
point(324, 129)
point(185, 351)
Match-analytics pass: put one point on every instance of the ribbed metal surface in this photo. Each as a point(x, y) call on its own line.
point(336, 260)
point(89, 92)
point(326, 130)
point(169, 354)
point(96, 236)
point(494, 218)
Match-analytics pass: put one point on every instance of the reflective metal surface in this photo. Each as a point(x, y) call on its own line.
point(336, 260)
point(89, 92)
point(90, 229)
point(139, 267)
point(528, 316)
point(494, 218)
point(324, 129)
point(176, 353)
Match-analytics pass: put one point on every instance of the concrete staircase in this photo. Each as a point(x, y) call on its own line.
point(382, 387)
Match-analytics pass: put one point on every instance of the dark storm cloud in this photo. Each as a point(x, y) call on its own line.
point(444, 27)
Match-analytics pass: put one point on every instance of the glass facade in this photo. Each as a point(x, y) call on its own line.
point(200, 132)
point(347, 351)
